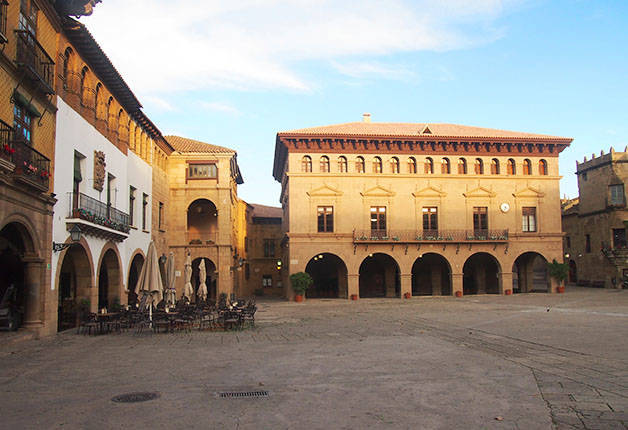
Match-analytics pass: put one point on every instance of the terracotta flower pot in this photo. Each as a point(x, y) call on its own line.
point(458, 293)
point(298, 298)
point(354, 296)
point(560, 289)
point(508, 292)
point(407, 295)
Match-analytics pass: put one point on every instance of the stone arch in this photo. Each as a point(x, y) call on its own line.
point(480, 274)
point(210, 279)
point(529, 273)
point(379, 276)
point(329, 272)
point(202, 222)
point(27, 231)
point(110, 283)
point(133, 272)
point(431, 275)
point(74, 283)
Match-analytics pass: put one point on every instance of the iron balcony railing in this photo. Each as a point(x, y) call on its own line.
point(32, 57)
point(6, 145)
point(93, 210)
point(30, 164)
point(406, 236)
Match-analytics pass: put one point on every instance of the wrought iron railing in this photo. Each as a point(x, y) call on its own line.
point(30, 164)
point(33, 57)
point(93, 210)
point(3, 21)
point(201, 237)
point(393, 236)
point(6, 145)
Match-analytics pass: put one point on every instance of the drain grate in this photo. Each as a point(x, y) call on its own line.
point(135, 397)
point(242, 394)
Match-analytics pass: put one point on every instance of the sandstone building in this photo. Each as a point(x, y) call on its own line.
point(595, 223)
point(385, 209)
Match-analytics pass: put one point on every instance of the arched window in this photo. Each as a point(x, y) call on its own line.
point(131, 134)
point(429, 165)
point(462, 166)
point(512, 167)
point(359, 164)
point(83, 88)
point(306, 164)
point(479, 166)
point(109, 115)
point(377, 165)
point(527, 167)
point(412, 165)
point(99, 103)
point(494, 166)
point(445, 167)
point(67, 65)
point(542, 167)
point(324, 164)
point(394, 165)
point(342, 164)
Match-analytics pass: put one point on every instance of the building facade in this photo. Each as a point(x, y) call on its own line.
point(387, 209)
point(595, 223)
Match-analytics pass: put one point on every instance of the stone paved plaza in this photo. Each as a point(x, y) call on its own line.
point(532, 361)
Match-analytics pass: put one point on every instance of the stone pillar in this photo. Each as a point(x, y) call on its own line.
point(353, 286)
point(456, 283)
point(505, 282)
point(406, 283)
point(33, 294)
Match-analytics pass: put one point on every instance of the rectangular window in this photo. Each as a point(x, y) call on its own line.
point(144, 207)
point(617, 194)
point(430, 221)
point(131, 205)
point(247, 271)
point(325, 218)
point(378, 220)
point(269, 247)
point(246, 244)
point(619, 238)
point(568, 242)
point(267, 281)
point(202, 171)
point(161, 214)
point(22, 124)
point(529, 219)
point(587, 243)
point(3, 21)
point(480, 219)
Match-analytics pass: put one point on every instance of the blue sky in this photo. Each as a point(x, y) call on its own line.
point(235, 74)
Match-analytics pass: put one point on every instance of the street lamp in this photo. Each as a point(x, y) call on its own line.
point(75, 235)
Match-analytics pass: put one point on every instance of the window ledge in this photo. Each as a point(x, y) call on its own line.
point(162, 230)
point(132, 227)
point(145, 231)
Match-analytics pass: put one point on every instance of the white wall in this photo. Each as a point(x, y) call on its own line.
point(76, 134)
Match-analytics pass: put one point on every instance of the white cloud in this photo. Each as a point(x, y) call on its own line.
point(373, 69)
point(220, 107)
point(158, 103)
point(167, 46)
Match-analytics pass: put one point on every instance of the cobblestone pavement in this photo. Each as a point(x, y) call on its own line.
point(519, 362)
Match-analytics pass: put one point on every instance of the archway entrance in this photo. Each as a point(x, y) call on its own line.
point(481, 274)
point(431, 276)
point(573, 272)
point(210, 279)
point(109, 280)
point(13, 287)
point(202, 221)
point(530, 269)
point(75, 278)
point(330, 276)
point(379, 276)
point(134, 274)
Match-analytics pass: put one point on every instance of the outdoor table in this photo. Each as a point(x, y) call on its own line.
point(102, 319)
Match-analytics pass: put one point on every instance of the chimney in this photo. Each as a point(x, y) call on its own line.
point(366, 117)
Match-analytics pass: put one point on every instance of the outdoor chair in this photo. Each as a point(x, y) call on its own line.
point(89, 324)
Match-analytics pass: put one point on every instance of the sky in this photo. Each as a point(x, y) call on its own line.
point(235, 73)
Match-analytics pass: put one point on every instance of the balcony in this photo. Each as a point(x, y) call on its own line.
point(6, 146)
point(3, 21)
point(32, 58)
point(200, 238)
point(98, 218)
point(430, 236)
point(31, 166)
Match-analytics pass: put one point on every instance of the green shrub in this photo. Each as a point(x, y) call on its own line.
point(301, 281)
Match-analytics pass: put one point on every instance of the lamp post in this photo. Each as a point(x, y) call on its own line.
point(75, 235)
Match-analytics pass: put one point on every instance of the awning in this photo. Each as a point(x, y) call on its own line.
point(20, 99)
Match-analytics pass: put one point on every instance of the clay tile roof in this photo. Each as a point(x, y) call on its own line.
point(261, 211)
point(414, 129)
point(182, 144)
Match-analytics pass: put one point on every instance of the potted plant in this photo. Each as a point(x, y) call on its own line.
point(354, 296)
point(407, 295)
point(300, 281)
point(558, 271)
